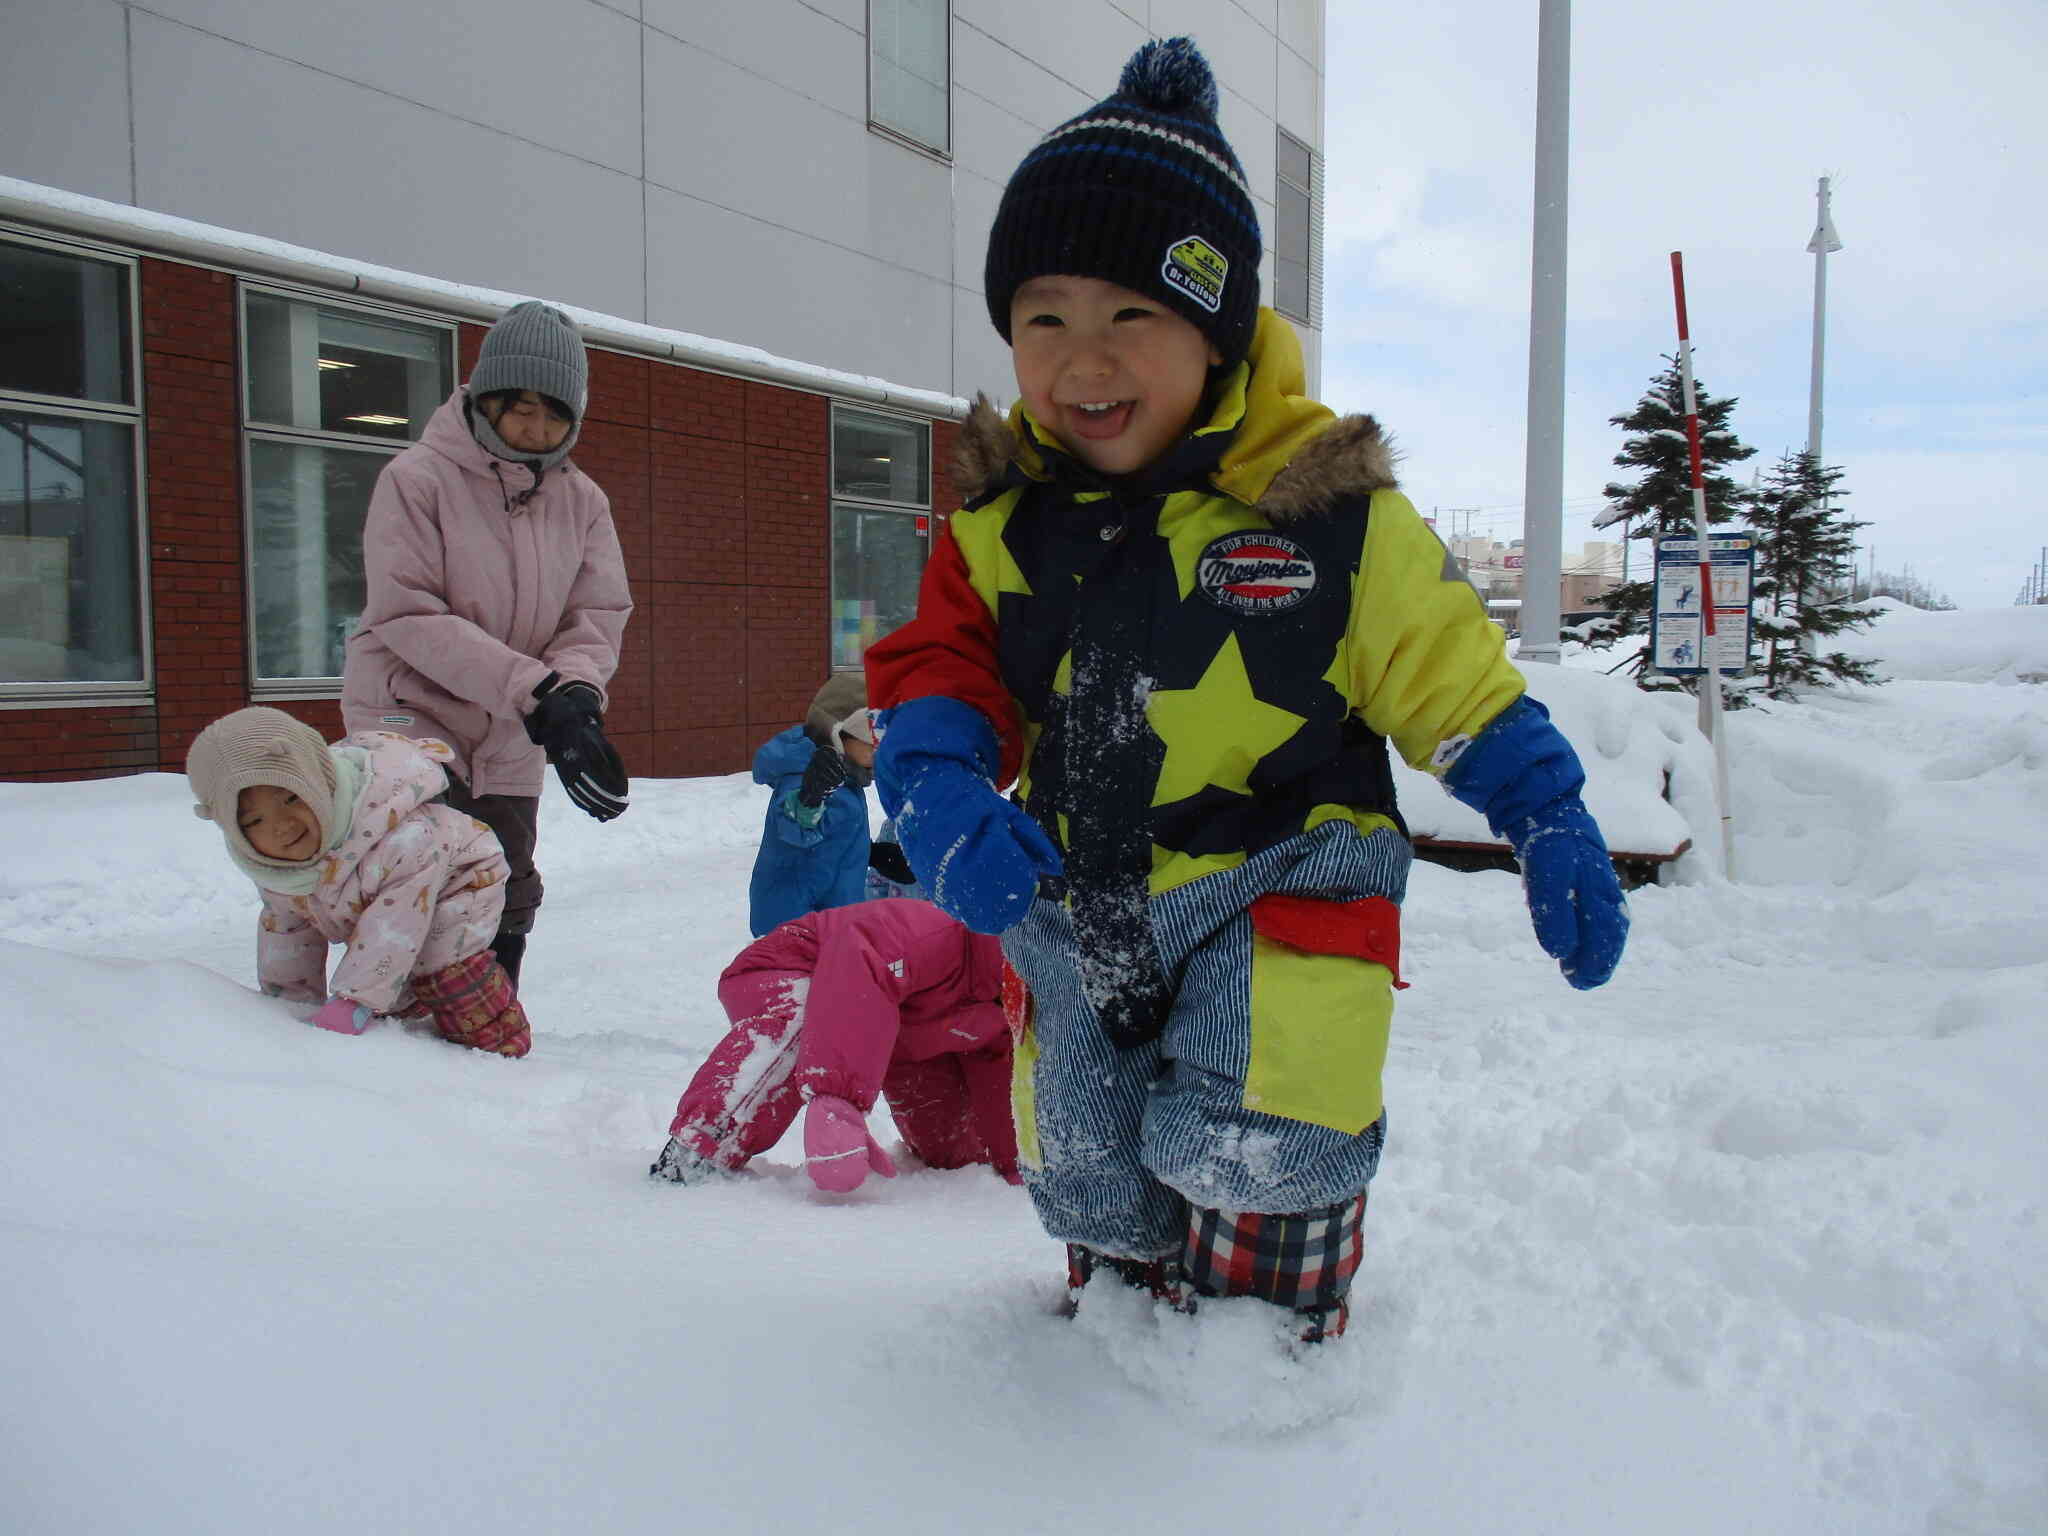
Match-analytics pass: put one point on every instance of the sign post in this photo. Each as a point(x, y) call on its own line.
point(1710, 681)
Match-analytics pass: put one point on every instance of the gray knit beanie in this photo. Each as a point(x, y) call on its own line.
point(260, 746)
point(534, 346)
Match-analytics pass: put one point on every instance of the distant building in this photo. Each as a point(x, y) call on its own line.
point(192, 413)
point(1495, 571)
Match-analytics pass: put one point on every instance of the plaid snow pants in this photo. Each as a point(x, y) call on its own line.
point(473, 1004)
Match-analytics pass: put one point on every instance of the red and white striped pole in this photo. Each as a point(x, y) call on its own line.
point(1710, 680)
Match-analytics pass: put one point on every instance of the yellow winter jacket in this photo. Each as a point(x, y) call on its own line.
point(1287, 604)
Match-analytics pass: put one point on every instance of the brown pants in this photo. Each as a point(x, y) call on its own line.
point(516, 820)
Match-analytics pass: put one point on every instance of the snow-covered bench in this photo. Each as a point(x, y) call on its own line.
point(1649, 778)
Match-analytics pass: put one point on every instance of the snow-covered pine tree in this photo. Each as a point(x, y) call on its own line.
point(1804, 544)
point(1660, 501)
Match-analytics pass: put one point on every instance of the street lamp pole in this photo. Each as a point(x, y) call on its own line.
point(1824, 242)
point(1543, 469)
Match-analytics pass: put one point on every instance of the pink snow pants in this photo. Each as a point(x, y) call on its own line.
point(748, 1092)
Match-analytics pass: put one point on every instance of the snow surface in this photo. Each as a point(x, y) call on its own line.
point(1749, 1240)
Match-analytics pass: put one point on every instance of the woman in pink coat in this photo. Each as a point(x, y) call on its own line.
point(497, 599)
point(347, 845)
point(890, 998)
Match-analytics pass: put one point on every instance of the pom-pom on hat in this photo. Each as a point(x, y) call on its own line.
point(260, 746)
point(1141, 190)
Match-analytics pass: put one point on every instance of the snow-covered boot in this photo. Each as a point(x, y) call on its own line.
point(1162, 1277)
point(681, 1163)
point(1301, 1260)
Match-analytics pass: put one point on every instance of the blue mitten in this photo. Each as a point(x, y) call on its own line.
point(1522, 775)
point(977, 856)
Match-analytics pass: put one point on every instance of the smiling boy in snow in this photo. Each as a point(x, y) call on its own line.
point(347, 845)
point(1184, 608)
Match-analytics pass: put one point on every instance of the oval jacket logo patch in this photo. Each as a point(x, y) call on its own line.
point(1257, 572)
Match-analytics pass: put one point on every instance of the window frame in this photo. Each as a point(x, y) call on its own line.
point(1312, 260)
point(834, 501)
point(943, 153)
point(264, 689)
point(142, 688)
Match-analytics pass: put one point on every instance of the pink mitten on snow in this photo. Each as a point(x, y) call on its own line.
point(342, 1015)
point(838, 1151)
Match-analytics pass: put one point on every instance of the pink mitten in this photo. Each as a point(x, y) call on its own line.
point(342, 1015)
point(838, 1151)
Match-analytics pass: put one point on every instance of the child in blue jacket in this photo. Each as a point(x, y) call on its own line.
point(814, 840)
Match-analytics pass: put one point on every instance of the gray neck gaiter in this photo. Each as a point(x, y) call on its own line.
point(487, 438)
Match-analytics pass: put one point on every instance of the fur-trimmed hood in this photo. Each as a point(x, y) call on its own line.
point(1290, 456)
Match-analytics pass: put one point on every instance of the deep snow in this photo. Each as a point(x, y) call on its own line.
point(1749, 1240)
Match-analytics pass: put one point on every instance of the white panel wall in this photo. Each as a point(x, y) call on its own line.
point(697, 165)
point(727, 276)
point(1301, 98)
point(563, 73)
point(1080, 43)
point(233, 137)
point(724, 134)
point(64, 95)
point(819, 51)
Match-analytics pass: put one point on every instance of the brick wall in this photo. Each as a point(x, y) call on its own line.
point(719, 490)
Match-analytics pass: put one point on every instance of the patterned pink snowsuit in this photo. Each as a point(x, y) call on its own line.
point(884, 997)
point(412, 889)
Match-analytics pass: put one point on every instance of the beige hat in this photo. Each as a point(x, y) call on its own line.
point(844, 694)
point(860, 725)
point(260, 746)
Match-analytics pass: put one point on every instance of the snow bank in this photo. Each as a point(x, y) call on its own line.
point(1985, 645)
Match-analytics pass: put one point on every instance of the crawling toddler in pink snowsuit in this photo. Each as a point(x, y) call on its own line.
point(348, 845)
point(889, 998)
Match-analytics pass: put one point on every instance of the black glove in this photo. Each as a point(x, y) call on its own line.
point(825, 773)
point(886, 860)
point(567, 722)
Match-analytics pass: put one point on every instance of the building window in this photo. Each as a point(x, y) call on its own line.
point(331, 394)
point(1297, 232)
point(910, 70)
point(71, 614)
point(881, 525)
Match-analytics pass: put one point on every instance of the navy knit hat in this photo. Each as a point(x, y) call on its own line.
point(1141, 190)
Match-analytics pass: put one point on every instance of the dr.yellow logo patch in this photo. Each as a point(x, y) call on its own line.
point(1197, 269)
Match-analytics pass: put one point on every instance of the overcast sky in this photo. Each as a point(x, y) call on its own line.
point(1704, 130)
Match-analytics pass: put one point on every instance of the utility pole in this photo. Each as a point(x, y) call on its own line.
point(1543, 476)
point(1824, 242)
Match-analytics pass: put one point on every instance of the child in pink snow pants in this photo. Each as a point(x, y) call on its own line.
point(834, 1008)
